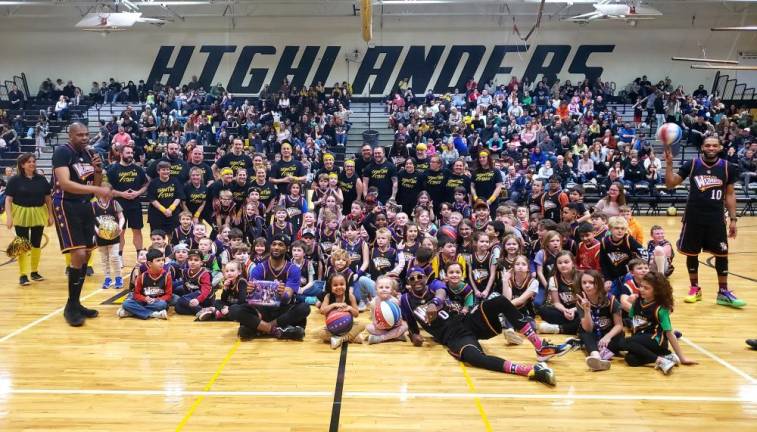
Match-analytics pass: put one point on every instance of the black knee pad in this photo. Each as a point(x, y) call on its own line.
point(692, 264)
point(721, 266)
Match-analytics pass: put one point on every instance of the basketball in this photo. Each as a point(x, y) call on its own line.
point(447, 231)
point(669, 134)
point(339, 322)
point(386, 315)
point(672, 211)
point(108, 229)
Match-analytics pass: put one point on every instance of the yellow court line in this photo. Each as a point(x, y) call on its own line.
point(476, 399)
point(208, 386)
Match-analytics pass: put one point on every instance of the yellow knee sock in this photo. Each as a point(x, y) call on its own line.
point(36, 255)
point(68, 259)
point(91, 257)
point(23, 264)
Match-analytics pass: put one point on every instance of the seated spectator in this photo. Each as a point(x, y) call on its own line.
point(61, 108)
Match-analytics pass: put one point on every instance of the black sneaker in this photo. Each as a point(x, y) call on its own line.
point(73, 316)
point(90, 271)
point(543, 374)
point(36, 277)
point(290, 332)
point(574, 343)
point(245, 333)
point(752, 343)
point(24, 280)
point(549, 350)
point(88, 313)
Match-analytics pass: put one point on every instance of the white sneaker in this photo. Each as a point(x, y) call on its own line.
point(373, 339)
point(361, 307)
point(665, 365)
point(336, 342)
point(123, 313)
point(160, 314)
point(597, 364)
point(674, 358)
point(545, 327)
point(512, 337)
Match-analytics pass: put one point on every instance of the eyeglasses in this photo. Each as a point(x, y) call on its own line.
point(415, 277)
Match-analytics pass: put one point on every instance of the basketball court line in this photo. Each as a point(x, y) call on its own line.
point(40, 320)
point(206, 389)
point(477, 400)
point(399, 395)
point(336, 407)
point(724, 363)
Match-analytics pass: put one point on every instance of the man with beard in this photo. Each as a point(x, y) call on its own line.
point(382, 174)
point(364, 158)
point(197, 160)
point(704, 229)
point(130, 180)
point(427, 305)
point(287, 170)
point(234, 159)
point(287, 318)
point(77, 175)
point(178, 167)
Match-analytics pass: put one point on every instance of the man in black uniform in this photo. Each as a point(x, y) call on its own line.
point(704, 229)
point(197, 159)
point(235, 159)
point(129, 179)
point(426, 306)
point(77, 174)
point(382, 174)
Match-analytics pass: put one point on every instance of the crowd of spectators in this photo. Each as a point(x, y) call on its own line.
point(540, 130)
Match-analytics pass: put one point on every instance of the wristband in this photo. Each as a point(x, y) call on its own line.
point(197, 215)
point(161, 208)
point(172, 207)
point(437, 301)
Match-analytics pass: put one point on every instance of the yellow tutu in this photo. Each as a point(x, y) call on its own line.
point(28, 216)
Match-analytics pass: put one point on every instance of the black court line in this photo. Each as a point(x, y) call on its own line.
point(336, 408)
point(710, 263)
point(113, 299)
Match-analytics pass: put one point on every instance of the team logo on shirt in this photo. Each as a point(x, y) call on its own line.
point(83, 170)
point(705, 182)
point(617, 257)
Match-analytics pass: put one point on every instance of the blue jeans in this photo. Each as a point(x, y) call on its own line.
point(540, 297)
point(182, 307)
point(143, 310)
point(364, 288)
point(314, 291)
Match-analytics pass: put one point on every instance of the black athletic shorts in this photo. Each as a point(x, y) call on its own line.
point(456, 345)
point(698, 237)
point(134, 218)
point(75, 224)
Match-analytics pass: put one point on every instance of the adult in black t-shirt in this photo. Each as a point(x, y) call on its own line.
point(77, 175)
point(16, 98)
point(287, 170)
point(363, 158)
point(436, 179)
point(269, 195)
point(196, 197)
point(28, 209)
point(457, 178)
point(350, 184)
point(165, 195)
point(328, 168)
point(129, 179)
point(410, 183)
point(234, 159)
point(487, 180)
point(239, 188)
point(178, 167)
point(382, 174)
point(197, 159)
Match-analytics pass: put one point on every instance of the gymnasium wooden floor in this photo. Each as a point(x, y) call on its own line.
point(127, 375)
